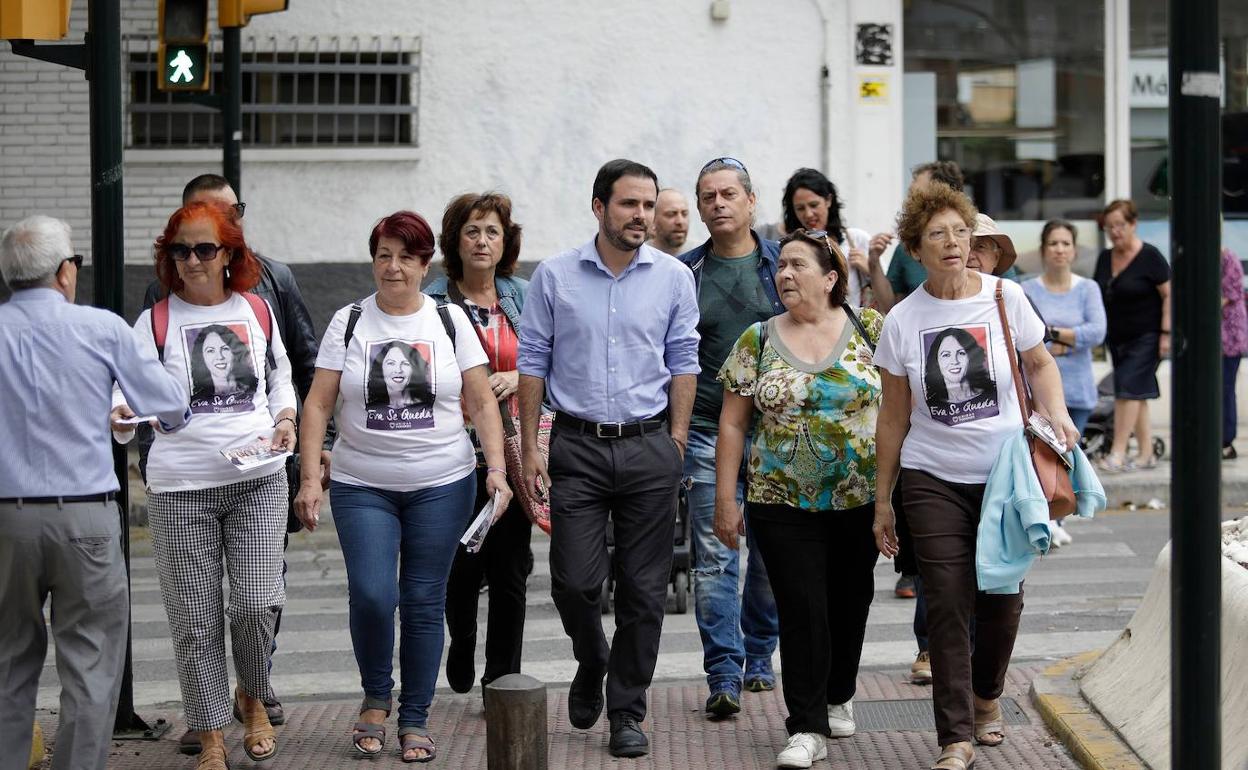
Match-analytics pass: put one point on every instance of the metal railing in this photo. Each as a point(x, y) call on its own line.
point(297, 92)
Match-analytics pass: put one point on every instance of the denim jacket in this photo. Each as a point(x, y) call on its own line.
point(769, 252)
point(510, 290)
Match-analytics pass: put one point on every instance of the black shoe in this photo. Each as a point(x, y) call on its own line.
point(277, 714)
point(189, 743)
point(1229, 453)
point(627, 739)
point(585, 698)
point(460, 671)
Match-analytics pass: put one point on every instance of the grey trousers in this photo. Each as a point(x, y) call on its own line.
point(73, 553)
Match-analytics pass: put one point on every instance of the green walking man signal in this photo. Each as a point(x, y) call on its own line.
point(183, 52)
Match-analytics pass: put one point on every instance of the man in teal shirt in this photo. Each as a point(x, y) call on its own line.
point(735, 275)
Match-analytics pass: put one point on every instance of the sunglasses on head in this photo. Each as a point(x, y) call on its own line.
point(77, 259)
point(727, 161)
point(204, 252)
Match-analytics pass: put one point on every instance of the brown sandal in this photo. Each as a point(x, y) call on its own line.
point(989, 727)
point(256, 726)
point(212, 755)
point(363, 730)
point(955, 756)
point(414, 741)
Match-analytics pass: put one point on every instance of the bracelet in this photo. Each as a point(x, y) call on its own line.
point(1165, 331)
point(491, 469)
point(293, 424)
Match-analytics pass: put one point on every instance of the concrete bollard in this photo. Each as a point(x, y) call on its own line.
point(515, 723)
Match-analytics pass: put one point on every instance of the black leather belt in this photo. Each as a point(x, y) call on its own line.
point(103, 497)
point(611, 429)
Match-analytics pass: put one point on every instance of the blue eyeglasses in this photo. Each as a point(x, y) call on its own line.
point(727, 161)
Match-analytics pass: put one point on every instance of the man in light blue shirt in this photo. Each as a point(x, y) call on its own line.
point(609, 336)
point(59, 526)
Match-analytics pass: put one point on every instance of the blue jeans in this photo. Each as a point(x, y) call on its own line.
point(413, 535)
point(722, 622)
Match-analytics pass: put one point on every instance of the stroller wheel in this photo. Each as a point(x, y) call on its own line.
point(1094, 443)
point(1159, 447)
point(681, 585)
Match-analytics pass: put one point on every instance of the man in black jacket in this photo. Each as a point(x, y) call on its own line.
point(291, 319)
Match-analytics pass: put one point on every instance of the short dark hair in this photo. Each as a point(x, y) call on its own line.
point(813, 180)
point(611, 172)
point(830, 258)
point(943, 171)
point(204, 183)
point(408, 227)
point(457, 214)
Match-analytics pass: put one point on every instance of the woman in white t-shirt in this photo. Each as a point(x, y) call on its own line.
point(949, 405)
point(223, 343)
point(402, 481)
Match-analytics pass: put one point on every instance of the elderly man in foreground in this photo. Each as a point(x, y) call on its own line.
point(59, 526)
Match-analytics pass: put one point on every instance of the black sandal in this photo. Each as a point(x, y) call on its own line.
point(363, 730)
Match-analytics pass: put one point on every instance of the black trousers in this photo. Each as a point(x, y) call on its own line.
point(634, 481)
point(821, 569)
point(504, 562)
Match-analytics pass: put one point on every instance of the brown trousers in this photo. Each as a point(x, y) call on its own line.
point(943, 517)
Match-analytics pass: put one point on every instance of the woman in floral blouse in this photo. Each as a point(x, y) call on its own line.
point(805, 382)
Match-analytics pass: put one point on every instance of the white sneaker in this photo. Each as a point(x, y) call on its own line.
point(802, 750)
point(1063, 537)
point(841, 719)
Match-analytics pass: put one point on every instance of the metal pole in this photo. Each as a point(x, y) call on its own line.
point(1196, 414)
point(232, 107)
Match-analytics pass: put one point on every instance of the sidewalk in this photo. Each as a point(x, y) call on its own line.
point(894, 732)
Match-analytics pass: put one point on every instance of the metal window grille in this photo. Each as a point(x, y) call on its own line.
point(296, 93)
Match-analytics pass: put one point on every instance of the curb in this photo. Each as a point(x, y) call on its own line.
point(1091, 741)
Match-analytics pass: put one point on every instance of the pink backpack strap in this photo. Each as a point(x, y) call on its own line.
point(263, 315)
point(160, 326)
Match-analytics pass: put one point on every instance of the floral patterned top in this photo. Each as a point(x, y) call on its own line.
point(814, 435)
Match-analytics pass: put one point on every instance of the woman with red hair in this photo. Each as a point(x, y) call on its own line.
point(403, 477)
point(221, 341)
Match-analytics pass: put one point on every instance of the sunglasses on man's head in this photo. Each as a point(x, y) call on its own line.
point(204, 252)
point(727, 161)
point(77, 259)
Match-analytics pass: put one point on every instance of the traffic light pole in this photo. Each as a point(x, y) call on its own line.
point(232, 107)
point(1195, 229)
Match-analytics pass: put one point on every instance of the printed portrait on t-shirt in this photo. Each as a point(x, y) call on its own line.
point(399, 385)
point(221, 368)
point(958, 381)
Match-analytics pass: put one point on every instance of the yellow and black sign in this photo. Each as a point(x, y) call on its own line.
point(873, 89)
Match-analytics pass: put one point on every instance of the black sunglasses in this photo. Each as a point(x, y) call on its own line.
point(205, 252)
point(727, 161)
point(77, 259)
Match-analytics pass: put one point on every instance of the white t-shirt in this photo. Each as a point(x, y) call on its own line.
point(233, 400)
point(400, 422)
point(963, 402)
point(855, 239)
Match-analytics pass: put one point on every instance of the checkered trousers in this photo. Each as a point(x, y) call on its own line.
point(192, 531)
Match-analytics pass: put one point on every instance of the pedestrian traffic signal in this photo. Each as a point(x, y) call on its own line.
point(183, 54)
point(34, 19)
point(236, 13)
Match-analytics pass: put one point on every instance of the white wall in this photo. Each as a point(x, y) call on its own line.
point(530, 97)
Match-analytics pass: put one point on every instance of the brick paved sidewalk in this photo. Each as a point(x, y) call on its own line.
point(317, 733)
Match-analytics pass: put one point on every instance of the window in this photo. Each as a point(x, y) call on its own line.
point(1018, 94)
point(344, 93)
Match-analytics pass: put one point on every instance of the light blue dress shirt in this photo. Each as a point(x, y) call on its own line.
point(608, 346)
point(58, 362)
point(1079, 309)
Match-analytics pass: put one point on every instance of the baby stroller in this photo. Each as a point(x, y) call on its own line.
point(682, 558)
point(1098, 436)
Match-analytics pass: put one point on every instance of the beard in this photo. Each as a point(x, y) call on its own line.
point(623, 238)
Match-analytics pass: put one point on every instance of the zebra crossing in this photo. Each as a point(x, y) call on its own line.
point(1077, 598)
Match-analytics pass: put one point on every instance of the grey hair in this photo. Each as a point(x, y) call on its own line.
point(743, 176)
point(32, 250)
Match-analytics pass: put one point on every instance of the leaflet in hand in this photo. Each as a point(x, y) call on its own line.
point(134, 420)
point(474, 537)
point(254, 454)
point(1039, 427)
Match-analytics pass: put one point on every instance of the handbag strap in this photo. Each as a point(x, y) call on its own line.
point(1024, 405)
point(857, 322)
point(457, 297)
